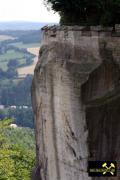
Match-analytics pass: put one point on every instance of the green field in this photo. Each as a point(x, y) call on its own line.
point(11, 54)
point(5, 37)
point(21, 45)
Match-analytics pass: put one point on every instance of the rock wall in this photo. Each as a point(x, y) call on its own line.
point(77, 71)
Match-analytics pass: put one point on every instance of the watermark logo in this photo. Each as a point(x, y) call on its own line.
point(110, 169)
point(102, 168)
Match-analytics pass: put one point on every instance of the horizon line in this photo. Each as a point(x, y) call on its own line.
point(27, 21)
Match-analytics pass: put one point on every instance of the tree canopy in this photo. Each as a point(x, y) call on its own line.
point(17, 152)
point(87, 12)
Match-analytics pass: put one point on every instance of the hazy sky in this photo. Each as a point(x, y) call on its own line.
point(27, 10)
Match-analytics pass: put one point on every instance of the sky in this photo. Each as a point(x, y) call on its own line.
point(26, 10)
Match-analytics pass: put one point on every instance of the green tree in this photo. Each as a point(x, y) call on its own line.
point(111, 13)
point(13, 63)
point(86, 12)
point(17, 152)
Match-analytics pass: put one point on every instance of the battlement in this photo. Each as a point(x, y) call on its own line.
point(81, 28)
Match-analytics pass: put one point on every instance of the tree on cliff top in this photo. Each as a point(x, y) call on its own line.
point(87, 12)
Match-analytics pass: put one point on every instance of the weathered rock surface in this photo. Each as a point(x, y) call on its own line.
point(76, 101)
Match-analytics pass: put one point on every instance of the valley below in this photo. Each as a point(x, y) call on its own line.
point(18, 57)
point(19, 51)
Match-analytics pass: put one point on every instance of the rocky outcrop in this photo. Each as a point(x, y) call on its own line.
point(75, 95)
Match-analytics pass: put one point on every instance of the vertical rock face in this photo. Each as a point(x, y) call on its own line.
point(76, 84)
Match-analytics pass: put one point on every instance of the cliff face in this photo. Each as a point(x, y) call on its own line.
point(76, 101)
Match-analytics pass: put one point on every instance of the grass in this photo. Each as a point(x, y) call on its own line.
point(11, 54)
point(21, 45)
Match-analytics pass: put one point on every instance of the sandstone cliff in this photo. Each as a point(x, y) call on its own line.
point(76, 101)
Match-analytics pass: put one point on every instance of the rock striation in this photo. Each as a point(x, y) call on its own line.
point(76, 101)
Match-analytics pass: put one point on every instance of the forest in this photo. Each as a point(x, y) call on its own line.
point(17, 152)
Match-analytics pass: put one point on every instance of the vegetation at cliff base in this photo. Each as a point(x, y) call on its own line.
point(17, 152)
point(86, 12)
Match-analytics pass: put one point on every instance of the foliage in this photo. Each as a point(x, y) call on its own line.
point(22, 117)
point(10, 73)
point(16, 94)
point(17, 152)
point(13, 63)
point(86, 12)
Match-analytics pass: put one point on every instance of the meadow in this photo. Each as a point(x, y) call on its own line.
point(5, 37)
point(11, 54)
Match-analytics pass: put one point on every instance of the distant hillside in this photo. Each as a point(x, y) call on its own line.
point(18, 51)
point(21, 25)
point(25, 36)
